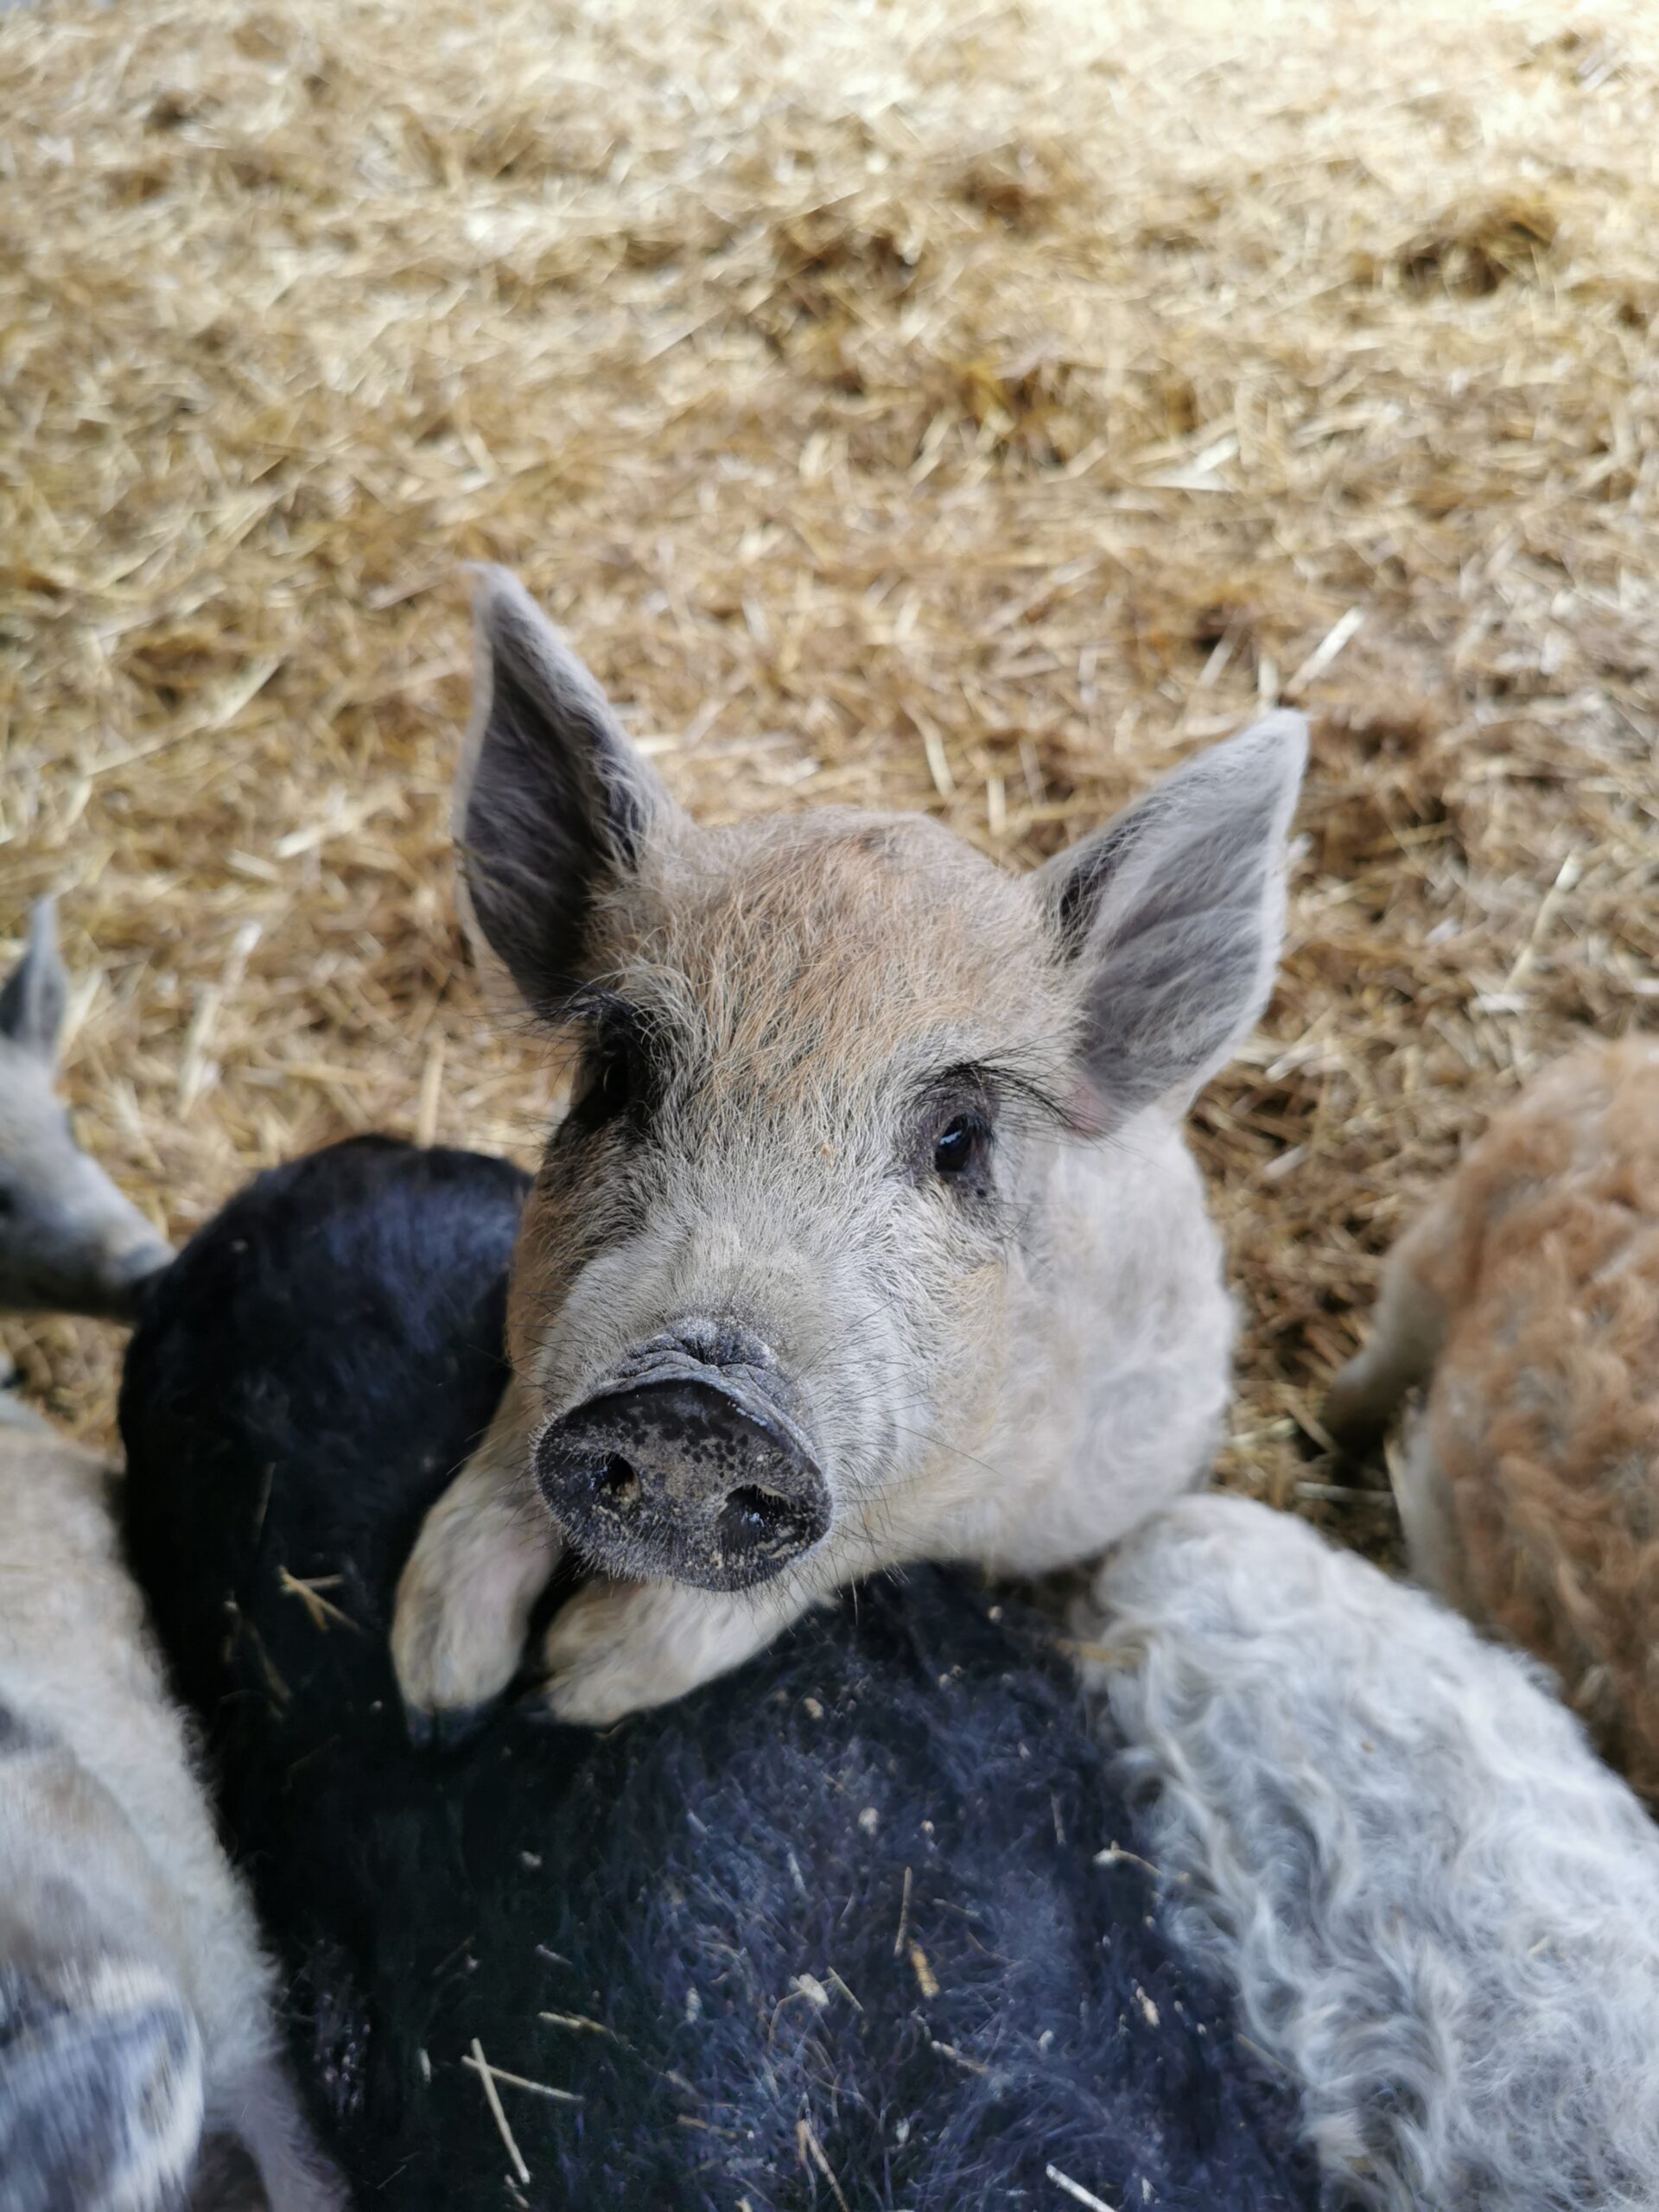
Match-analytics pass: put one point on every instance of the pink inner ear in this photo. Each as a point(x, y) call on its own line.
point(1086, 1110)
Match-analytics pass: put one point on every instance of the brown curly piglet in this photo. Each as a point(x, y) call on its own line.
point(1527, 1299)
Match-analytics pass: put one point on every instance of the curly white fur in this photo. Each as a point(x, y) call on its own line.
point(1440, 1911)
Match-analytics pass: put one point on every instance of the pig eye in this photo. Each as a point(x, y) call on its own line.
point(615, 1085)
point(608, 1087)
point(954, 1147)
point(960, 1146)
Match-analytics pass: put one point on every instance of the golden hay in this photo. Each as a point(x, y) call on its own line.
point(968, 406)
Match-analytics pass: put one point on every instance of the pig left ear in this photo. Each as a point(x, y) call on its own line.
point(553, 805)
point(37, 993)
point(1173, 914)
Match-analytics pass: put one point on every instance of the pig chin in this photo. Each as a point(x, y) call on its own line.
point(684, 1471)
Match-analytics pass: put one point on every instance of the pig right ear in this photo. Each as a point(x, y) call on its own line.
point(1172, 915)
point(552, 804)
point(37, 993)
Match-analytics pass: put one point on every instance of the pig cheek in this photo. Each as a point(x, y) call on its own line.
point(558, 1241)
point(537, 1289)
point(970, 1337)
point(948, 1349)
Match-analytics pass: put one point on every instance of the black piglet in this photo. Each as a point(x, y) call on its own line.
point(835, 1932)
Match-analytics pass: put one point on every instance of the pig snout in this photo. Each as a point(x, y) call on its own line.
point(130, 1272)
point(688, 1472)
point(102, 1259)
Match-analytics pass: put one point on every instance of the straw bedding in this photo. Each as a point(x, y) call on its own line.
point(965, 406)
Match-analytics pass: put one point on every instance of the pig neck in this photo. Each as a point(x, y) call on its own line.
point(1104, 1398)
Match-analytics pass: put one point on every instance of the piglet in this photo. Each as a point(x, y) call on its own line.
point(1438, 1908)
point(1524, 1302)
point(870, 1235)
point(138, 2054)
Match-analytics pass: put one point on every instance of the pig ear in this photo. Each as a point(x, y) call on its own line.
point(552, 802)
point(37, 993)
point(1175, 912)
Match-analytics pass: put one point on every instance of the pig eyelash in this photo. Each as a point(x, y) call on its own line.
point(960, 1113)
point(1003, 1096)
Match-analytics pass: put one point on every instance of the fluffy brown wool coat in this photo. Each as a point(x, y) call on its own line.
point(1528, 1298)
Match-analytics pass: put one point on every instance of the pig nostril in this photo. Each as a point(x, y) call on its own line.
point(753, 1516)
point(618, 1481)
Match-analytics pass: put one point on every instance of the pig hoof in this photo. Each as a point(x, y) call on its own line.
point(601, 1661)
point(455, 1725)
point(445, 1727)
point(597, 1693)
point(619, 1647)
point(464, 1598)
point(452, 1667)
point(581, 1701)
